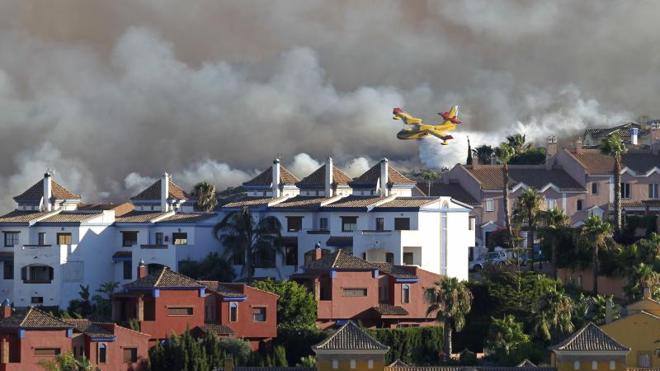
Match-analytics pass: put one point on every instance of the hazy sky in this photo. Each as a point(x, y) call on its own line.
point(112, 93)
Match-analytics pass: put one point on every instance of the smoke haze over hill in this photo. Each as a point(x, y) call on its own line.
point(110, 94)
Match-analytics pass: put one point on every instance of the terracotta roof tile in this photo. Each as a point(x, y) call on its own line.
point(120, 209)
point(317, 178)
point(301, 202)
point(350, 337)
point(22, 217)
point(251, 202)
point(186, 218)
point(490, 177)
point(590, 338)
point(89, 328)
point(339, 260)
point(225, 289)
point(139, 216)
point(33, 318)
point(595, 162)
point(371, 176)
point(153, 192)
point(36, 192)
point(265, 178)
point(396, 271)
point(451, 189)
point(164, 278)
point(71, 217)
point(407, 202)
point(390, 310)
point(360, 202)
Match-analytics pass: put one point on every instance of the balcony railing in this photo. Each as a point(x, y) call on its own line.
point(153, 246)
point(375, 231)
point(318, 231)
point(38, 281)
point(37, 246)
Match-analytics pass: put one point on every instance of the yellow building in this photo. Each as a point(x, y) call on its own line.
point(350, 349)
point(640, 331)
point(589, 349)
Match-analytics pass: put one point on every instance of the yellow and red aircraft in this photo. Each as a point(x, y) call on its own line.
point(419, 129)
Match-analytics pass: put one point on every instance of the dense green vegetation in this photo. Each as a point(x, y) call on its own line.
point(419, 346)
point(296, 307)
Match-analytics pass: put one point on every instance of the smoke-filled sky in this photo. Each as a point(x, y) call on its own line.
point(110, 94)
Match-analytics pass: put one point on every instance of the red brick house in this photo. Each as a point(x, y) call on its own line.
point(166, 302)
point(110, 347)
point(236, 309)
point(378, 294)
point(31, 336)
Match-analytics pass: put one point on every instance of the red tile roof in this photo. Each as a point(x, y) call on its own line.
point(317, 178)
point(371, 176)
point(36, 192)
point(594, 162)
point(153, 192)
point(265, 178)
point(453, 190)
point(20, 216)
point(490, 177)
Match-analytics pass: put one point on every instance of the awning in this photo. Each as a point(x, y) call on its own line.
point(122, 256)
point(337, 241)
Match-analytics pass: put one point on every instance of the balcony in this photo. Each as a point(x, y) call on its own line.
point(376, 231)
point(154, 246)
point(36, 246)
point(318, 231)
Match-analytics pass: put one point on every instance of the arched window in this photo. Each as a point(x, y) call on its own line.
point(103, 353)
point(405, 294)
point(233, 311)
point(37, 273)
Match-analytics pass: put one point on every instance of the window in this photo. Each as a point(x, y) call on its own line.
point(38, 300)
point(37, 274)
point(625, 190)
point(46, 351)
point(180, 238)
point(389, 257)
point(370, 364)
point(335, 364)
point(405, 294)
point(355, 292)
point(576, 365)
point(259, 314)
point(550, 203)
point(103, 353)
point(471, 222)
point(408, 258)
point(594, 365)
point(233, 312)
point(291, 253)
point(129, 239)
point(353, 363)
point(159, 238)
point(264, 258)
point(579, 205)
point(612, 365)
point(179, 311)
point(594, 188)
point(8, 270)
point(128, 270)
point(41, 238)
point(130, 355)
point(294, 223)
point(402, 224)
point(11, 239)
point(644, 359)
point(490, 205)
point(323, 224)
point(380, 224)
point(653, 191)
point(64, 238)
point(348, 223)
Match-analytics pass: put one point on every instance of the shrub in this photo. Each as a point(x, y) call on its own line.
point(296, 306)
point(298, 342)
point(414, 345)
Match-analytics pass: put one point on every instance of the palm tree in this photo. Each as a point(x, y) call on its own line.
point(245, 238)
point(553, 314)
point(518, 143)
point(450, 301)
point(596, 232)
point(554, 221)
point(484, 154)
point(429, 176)
point(614, 146)
point(204, 192)
point(527, 210)
point(504, 153)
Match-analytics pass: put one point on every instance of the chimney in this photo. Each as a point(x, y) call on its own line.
point(6, 309)
point(384, 177)
point(550, 152)
point(655, 138)
point(328, 177)
point(276, 178)
point(48, 191)
point(634, 132)
point(164, 192)
point(141, 270)
point(475, 162)
point(318, 252)
point(578, 145)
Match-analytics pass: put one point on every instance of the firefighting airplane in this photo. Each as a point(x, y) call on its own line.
point(419, 129)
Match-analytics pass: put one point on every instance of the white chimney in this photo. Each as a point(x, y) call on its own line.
point(550, 152)
point(634, 132)
point(328, 177)
point(164, 192)
point(384, 177)
point(276, 178)
point(48, 191)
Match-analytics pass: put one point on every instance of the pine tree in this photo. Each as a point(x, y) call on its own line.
point(469, 156)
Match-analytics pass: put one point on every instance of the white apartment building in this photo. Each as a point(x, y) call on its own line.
point(377, 216)
point(53, 243)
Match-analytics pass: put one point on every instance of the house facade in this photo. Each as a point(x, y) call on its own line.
point(378, 294)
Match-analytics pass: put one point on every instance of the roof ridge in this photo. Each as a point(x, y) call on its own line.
point(160, 276)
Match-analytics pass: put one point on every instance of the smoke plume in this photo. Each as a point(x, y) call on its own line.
point(111, 94)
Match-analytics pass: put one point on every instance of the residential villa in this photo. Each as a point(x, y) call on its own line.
point(377, 294)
